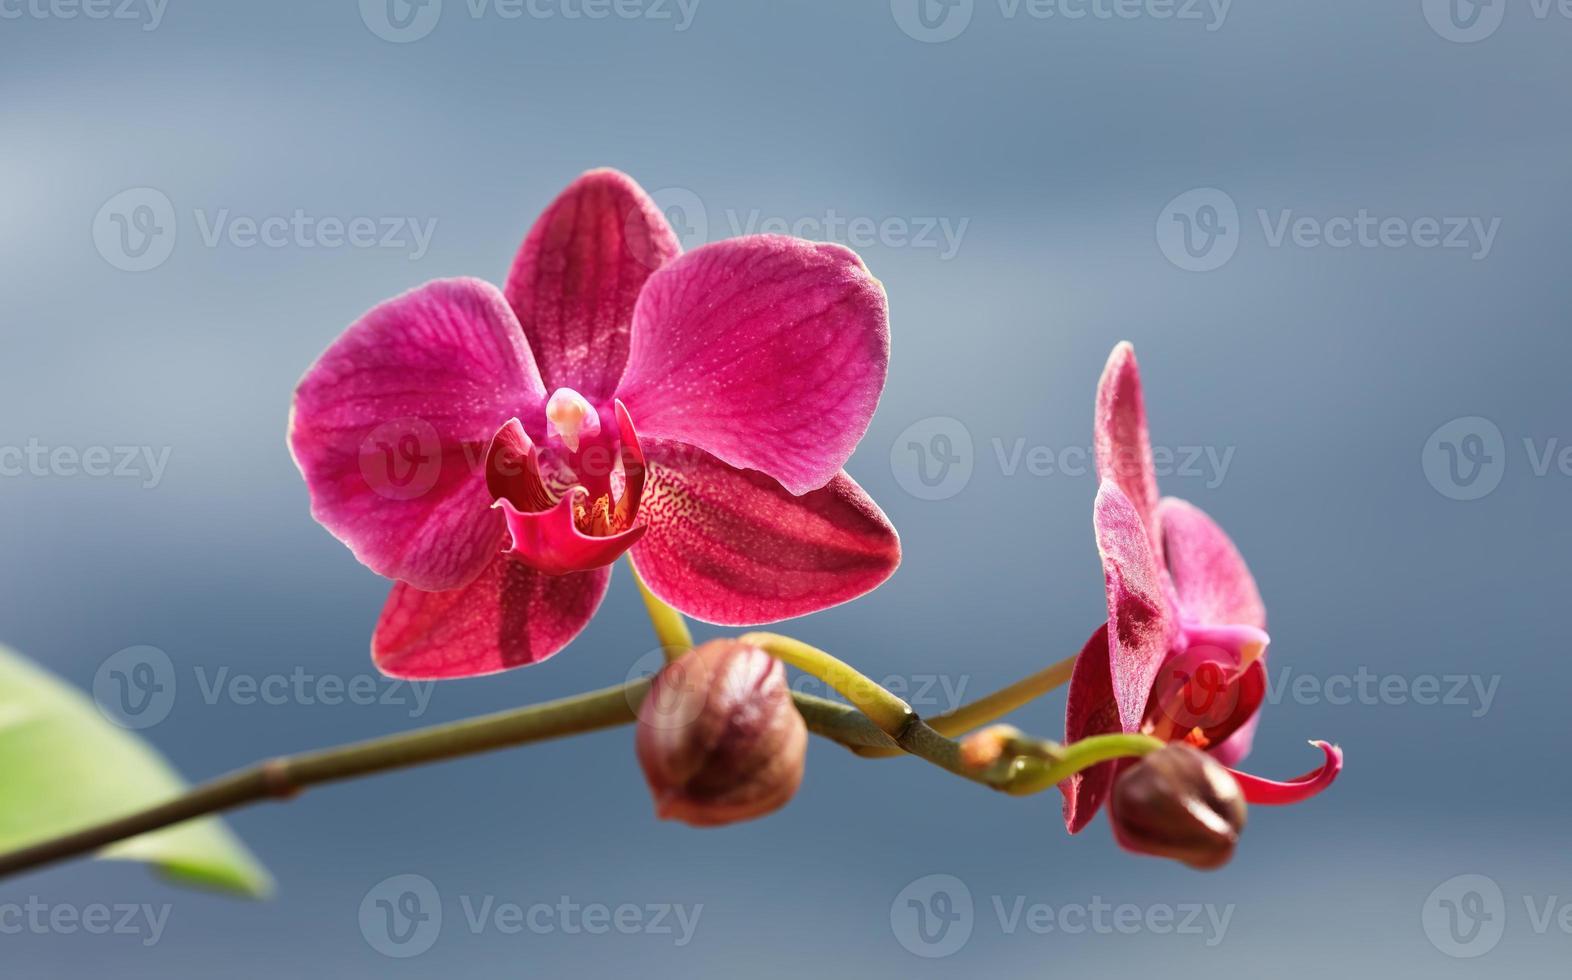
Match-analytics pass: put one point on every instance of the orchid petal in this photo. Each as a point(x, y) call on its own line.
point(768, 352)
point(1210, 576)
point(551, 542)
point(389, 426)
point(1090, 709)
point(733, 547)
point(579, 273)
point(511, 616)
point(1268, 792)
point(1142, 627)
point(1120, 439)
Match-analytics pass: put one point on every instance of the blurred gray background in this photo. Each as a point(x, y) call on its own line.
point(1390, 406)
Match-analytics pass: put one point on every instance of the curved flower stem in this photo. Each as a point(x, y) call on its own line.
point(993, 707)
point(670, 628)
point(890, 713)
point(286, 777)
point(1030, 774)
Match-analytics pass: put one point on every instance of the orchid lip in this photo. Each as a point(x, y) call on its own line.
point(1268, 792)
point(583, 513)
point(551, 541)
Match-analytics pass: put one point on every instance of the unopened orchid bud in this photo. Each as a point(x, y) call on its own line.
point(1178, 802)
point(719, 738)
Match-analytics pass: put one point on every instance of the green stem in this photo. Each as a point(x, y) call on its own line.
point(890, 713)
point(286, 777)
point(670, 628)
point(1034, 775)
point(993, 707)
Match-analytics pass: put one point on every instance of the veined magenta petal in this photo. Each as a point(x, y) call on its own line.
point(1090, 709)
point(1142, 627)
point(510, 616)
point(513, 470)
point(1268, 792)
point(767, 352)
point(1209, 575)
point(578, 275)
point(733, 547)
point(1121, 441)
point(550, 541)
point(390, 425)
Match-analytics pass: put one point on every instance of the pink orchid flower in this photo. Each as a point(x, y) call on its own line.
point(1182, 656)
point(479, 447)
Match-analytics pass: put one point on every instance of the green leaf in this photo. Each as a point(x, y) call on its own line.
point(64, 766)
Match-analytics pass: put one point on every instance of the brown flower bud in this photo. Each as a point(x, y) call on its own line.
point(719, 738)
point(1180, 803)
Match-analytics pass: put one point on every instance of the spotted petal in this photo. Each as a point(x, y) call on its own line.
point(731, 546)
point(1142, 625)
